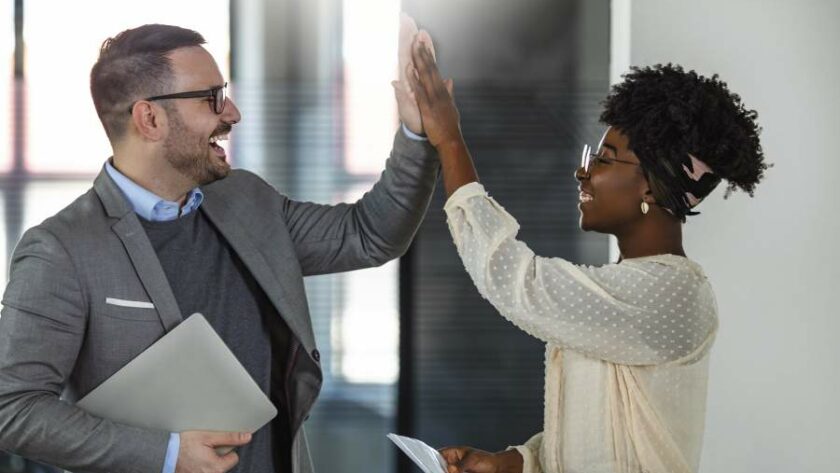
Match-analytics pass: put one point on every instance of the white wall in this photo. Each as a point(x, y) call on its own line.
point(775, 376)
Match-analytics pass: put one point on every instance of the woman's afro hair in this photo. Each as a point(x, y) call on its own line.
point(667, 112)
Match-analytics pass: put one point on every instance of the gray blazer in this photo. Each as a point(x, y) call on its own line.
point(59, 339)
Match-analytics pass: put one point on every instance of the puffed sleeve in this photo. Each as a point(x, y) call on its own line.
point(638, 312)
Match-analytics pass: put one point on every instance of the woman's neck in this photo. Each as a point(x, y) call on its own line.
point(655, 235)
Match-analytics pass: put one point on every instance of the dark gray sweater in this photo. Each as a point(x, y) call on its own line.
point(207, 276)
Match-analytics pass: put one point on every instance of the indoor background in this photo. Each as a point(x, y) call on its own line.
point(411, 347)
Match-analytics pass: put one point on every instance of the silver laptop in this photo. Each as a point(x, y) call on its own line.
point(187, 380)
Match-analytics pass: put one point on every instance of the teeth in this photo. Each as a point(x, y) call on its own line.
point(219, 138)
point(584, 197)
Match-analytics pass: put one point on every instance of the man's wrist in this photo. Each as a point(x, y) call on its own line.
point(172, 451)
point(412, 135)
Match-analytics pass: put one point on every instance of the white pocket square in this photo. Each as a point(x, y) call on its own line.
point(128, 303)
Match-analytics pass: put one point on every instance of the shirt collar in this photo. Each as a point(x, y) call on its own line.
point(150, 206)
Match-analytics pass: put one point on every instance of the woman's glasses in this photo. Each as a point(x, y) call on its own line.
point(588, 159)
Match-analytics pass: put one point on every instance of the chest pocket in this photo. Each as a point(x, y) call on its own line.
point(130, 310)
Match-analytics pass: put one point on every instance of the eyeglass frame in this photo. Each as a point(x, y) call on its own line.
point(587, 155)
point(193, 94)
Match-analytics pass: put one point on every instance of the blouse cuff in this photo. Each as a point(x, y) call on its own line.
point(460, 196)
point(529, 462)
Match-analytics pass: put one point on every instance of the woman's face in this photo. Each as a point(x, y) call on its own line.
point(612, 190)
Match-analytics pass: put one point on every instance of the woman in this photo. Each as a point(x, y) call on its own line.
point(627, 344)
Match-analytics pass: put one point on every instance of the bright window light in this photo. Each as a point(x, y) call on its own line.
point(367, 330)
point(371, 29)
point(44, 199)
point(7, 58)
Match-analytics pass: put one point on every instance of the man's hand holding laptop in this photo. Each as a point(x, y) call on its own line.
point(198, 453)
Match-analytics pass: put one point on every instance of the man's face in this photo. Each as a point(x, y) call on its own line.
point(193, 124)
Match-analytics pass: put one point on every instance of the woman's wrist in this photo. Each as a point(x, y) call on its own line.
point(450, 146)
point(456, 164)
point(509, 461)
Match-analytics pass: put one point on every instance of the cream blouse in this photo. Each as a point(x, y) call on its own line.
point(627, 345)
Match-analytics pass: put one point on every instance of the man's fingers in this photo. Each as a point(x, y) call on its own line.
point(407, 24)
point(450, 87)
point(235, 439)
point(400, 88)
point(408, 32)
point(403, 94)
point(222, 451)
point(229, 461)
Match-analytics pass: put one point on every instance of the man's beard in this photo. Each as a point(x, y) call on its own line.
point(188, 153)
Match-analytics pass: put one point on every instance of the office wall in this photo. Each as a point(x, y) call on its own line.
point(775, 376)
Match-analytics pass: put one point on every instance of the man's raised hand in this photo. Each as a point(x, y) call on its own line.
point(406, 100)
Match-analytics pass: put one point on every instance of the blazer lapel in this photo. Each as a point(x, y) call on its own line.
point(148, 268)
point(291, 307)
point(129, 230)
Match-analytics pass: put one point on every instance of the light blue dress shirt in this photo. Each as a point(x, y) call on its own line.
point(154, 208)
point(149, 205)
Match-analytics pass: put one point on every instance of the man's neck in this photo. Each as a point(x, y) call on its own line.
point(165, 183)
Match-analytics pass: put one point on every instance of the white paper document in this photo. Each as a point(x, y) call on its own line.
point(427, 458)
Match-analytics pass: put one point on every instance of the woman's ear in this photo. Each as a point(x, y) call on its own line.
point(653, 187)
point(645, 189)
point(648, 197)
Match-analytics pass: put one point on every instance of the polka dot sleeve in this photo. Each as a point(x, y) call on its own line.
point(640, 312)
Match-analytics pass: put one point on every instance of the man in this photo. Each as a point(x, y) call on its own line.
point(169, 229)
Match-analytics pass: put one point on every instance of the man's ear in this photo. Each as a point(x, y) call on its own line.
point(149, 120)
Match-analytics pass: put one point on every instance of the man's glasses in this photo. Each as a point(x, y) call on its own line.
point(217, 96)
point(588, 159)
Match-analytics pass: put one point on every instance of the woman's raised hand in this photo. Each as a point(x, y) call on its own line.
point(440, 117)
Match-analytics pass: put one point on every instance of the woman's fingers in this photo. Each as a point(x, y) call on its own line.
point(417, 87)
point(426, 68)
point(423, 65)
point(424, 37)
point(453, 456)
point(432, 63)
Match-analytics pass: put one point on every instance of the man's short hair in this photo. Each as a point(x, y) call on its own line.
point(131, 66)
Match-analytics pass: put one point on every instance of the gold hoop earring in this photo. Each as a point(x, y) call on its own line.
point(645, 208)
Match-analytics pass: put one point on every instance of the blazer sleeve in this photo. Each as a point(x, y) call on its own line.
point(377, 228)
point(42, 327)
